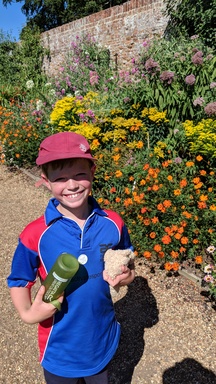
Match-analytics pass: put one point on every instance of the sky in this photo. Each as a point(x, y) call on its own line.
point(12, 20)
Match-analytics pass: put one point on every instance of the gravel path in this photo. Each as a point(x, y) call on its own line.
point(168, 327)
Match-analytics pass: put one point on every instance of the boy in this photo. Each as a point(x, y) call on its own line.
point(79, 340)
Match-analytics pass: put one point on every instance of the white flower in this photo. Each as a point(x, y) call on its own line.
point(211, 249)
point(29, 84)
point(39, 105)
point(52, 92)
point(208, 278)
point(208, 268)
point(48, 84)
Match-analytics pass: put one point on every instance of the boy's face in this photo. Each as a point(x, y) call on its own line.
point(71, 185)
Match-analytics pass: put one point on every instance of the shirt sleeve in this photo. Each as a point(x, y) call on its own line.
point(24, 267)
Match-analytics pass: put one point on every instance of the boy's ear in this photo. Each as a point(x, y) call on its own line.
point(45, 181)
point(93, 168)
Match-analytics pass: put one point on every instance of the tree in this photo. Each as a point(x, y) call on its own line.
point(189, 17)
point(48, 14)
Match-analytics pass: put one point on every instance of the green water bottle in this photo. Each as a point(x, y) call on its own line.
point(60, 276)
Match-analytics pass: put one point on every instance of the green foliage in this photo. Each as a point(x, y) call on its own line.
point(188, 18)
point(176, 76)
point(20, 62)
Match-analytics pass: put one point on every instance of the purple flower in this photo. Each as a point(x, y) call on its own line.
point(197, 58)
point(194, 37)
point(190, 79)
point(150, 64)
point(210, 109)
point(198, 101)
point(178, 160)
point(167, 76)
point(212, 85)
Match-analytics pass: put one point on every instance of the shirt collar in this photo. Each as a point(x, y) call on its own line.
point(52, 213)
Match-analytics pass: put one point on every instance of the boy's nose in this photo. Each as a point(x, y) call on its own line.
point(71, 183)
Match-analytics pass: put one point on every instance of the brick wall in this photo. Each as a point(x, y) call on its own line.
point(122, 29)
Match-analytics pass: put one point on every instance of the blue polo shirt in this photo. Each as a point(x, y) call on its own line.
point(82, 338)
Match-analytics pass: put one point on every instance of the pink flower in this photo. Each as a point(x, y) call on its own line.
point(210, 108)
point(150, 64)
point(167, 76)
point(198, 101)
point(197, 58)
point(190, 79)
point(212, 85)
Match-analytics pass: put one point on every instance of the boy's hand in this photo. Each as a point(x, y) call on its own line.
point(40, 310)
point(125, 278)
point(36, 311)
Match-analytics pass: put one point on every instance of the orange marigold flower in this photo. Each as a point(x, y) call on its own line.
point(113, 190)
point(131, 178)
point(142, 182)
point(182, 249)
point(177, 192)
point(210, 189)
point(175, 266)
point(118, 173)
point(147, 254)
point(198, 259)
point(187, 214)
point(145, 167)
point(189, 164)
point(157, 248)
point(127, 191)
point(155, 188)
point(100, 200)
point(128, 202)
point(143, 210)
point(210, 230)
point(17, 155)
point(166, 239)
point(155, 220)
point(161, 254)
point(203, 198)
point(195, 241)
point(212, 207)
point(152, 235)
point(183, 183)
point(202, 172)
point(146, 221)
point(196, 180)
point(199, 158)
point(174, 254)
point(167, 203)
point(160, 207)
point(165, 164)
point(168, 266)
point(177, 236)
point(117, 199)
point(169, 177)
point(199, 185)
point(116, 157)
point(184, 223)
point(184, 240)
point(202, 204)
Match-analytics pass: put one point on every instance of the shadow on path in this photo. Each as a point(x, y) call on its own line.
point(136, 311)
point(189, 371)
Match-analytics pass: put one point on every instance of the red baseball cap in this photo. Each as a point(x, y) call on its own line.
point(63, 145)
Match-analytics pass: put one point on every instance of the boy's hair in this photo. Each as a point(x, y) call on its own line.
point(60, 164)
